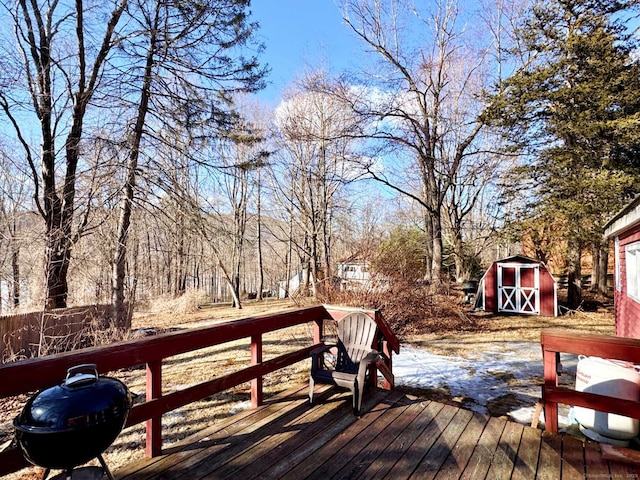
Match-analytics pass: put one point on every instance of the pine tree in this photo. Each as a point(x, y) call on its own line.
point(575, 108)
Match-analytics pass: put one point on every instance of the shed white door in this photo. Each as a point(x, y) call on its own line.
point(519, 288)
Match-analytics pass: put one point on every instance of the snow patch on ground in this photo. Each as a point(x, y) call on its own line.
point(239, 407)
point(486, 374)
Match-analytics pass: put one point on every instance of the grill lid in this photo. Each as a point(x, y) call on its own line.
point(84, 399)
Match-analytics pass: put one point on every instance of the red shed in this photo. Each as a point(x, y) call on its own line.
point(518, 284)
point(624, 229)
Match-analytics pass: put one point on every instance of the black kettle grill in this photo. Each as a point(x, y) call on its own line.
point(69, 424)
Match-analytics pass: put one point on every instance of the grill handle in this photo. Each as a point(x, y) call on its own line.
point(81, 375)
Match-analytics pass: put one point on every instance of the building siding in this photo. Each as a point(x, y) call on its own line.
point(627, 311)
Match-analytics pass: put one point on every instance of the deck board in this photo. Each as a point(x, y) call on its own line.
point(426, 412)
point(527, 460)
point(572, 459)
point(392, 429)
point(436, 456)
point(504, 458)
point(324, 455)
point(595, 465)
point(549, 464)
point(461, 453)
point(398, 436)
point(411, 458)
point(480, 461)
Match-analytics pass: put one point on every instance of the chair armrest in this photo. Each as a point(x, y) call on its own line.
point(365, 362)
point(371, 357)
point(318, 355)
point(320, 349)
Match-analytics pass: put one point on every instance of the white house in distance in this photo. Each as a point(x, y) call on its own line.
point(290, 288)
point(353, 274)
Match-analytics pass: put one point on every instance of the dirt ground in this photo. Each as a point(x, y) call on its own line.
point(182, 371)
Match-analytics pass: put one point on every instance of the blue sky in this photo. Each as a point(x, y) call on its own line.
point(299, 34)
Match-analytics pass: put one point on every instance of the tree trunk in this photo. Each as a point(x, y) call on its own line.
point(287, 280)
point(57, 249)
point(428, 263)
point(458, 255)
point(315, 273)
point(15, 271)
point(181, 273)
point(325, 214)
point(595, 262)
point(238, 249)
point(326, 244)
point(259, 239)
point(235, 298)
point(126, 204)
point(119, 313)
point(58, 256)
point(574, 276)
point(603, 268)
point(436, 263)
point(306, 263)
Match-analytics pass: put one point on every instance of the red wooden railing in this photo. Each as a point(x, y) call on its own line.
point(34, 374)
point(604, 346)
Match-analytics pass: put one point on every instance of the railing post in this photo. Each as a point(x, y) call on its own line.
point(154, 425)
point(256, 383)
point(549, 360)
point(387, 355)
point(317, 330)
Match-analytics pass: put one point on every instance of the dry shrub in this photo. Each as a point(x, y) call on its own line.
point(412, 308)
point(188, 302)
point(97, 334)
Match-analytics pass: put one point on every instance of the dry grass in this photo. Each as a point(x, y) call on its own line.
point(437, 321)
point(186, 313)
point(509, 328)
point(190, 369)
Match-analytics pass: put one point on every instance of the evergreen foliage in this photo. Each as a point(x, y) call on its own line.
point(401, 255)
point(574, 108)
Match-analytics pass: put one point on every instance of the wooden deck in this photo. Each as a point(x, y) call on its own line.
point(398, 436)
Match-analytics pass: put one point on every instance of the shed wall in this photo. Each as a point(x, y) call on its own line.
point(491, 289)
point(548, 299)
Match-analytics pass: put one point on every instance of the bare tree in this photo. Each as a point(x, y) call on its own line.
point(13, 210)
point(315, 145)
point(471, 205)
point(421, 104)
point(58, 74)
point(190, 57)
point(242, 160)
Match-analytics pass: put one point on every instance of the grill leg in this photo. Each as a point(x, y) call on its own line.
point(105, 468)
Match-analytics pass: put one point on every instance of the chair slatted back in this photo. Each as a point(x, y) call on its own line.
point(356, 333)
